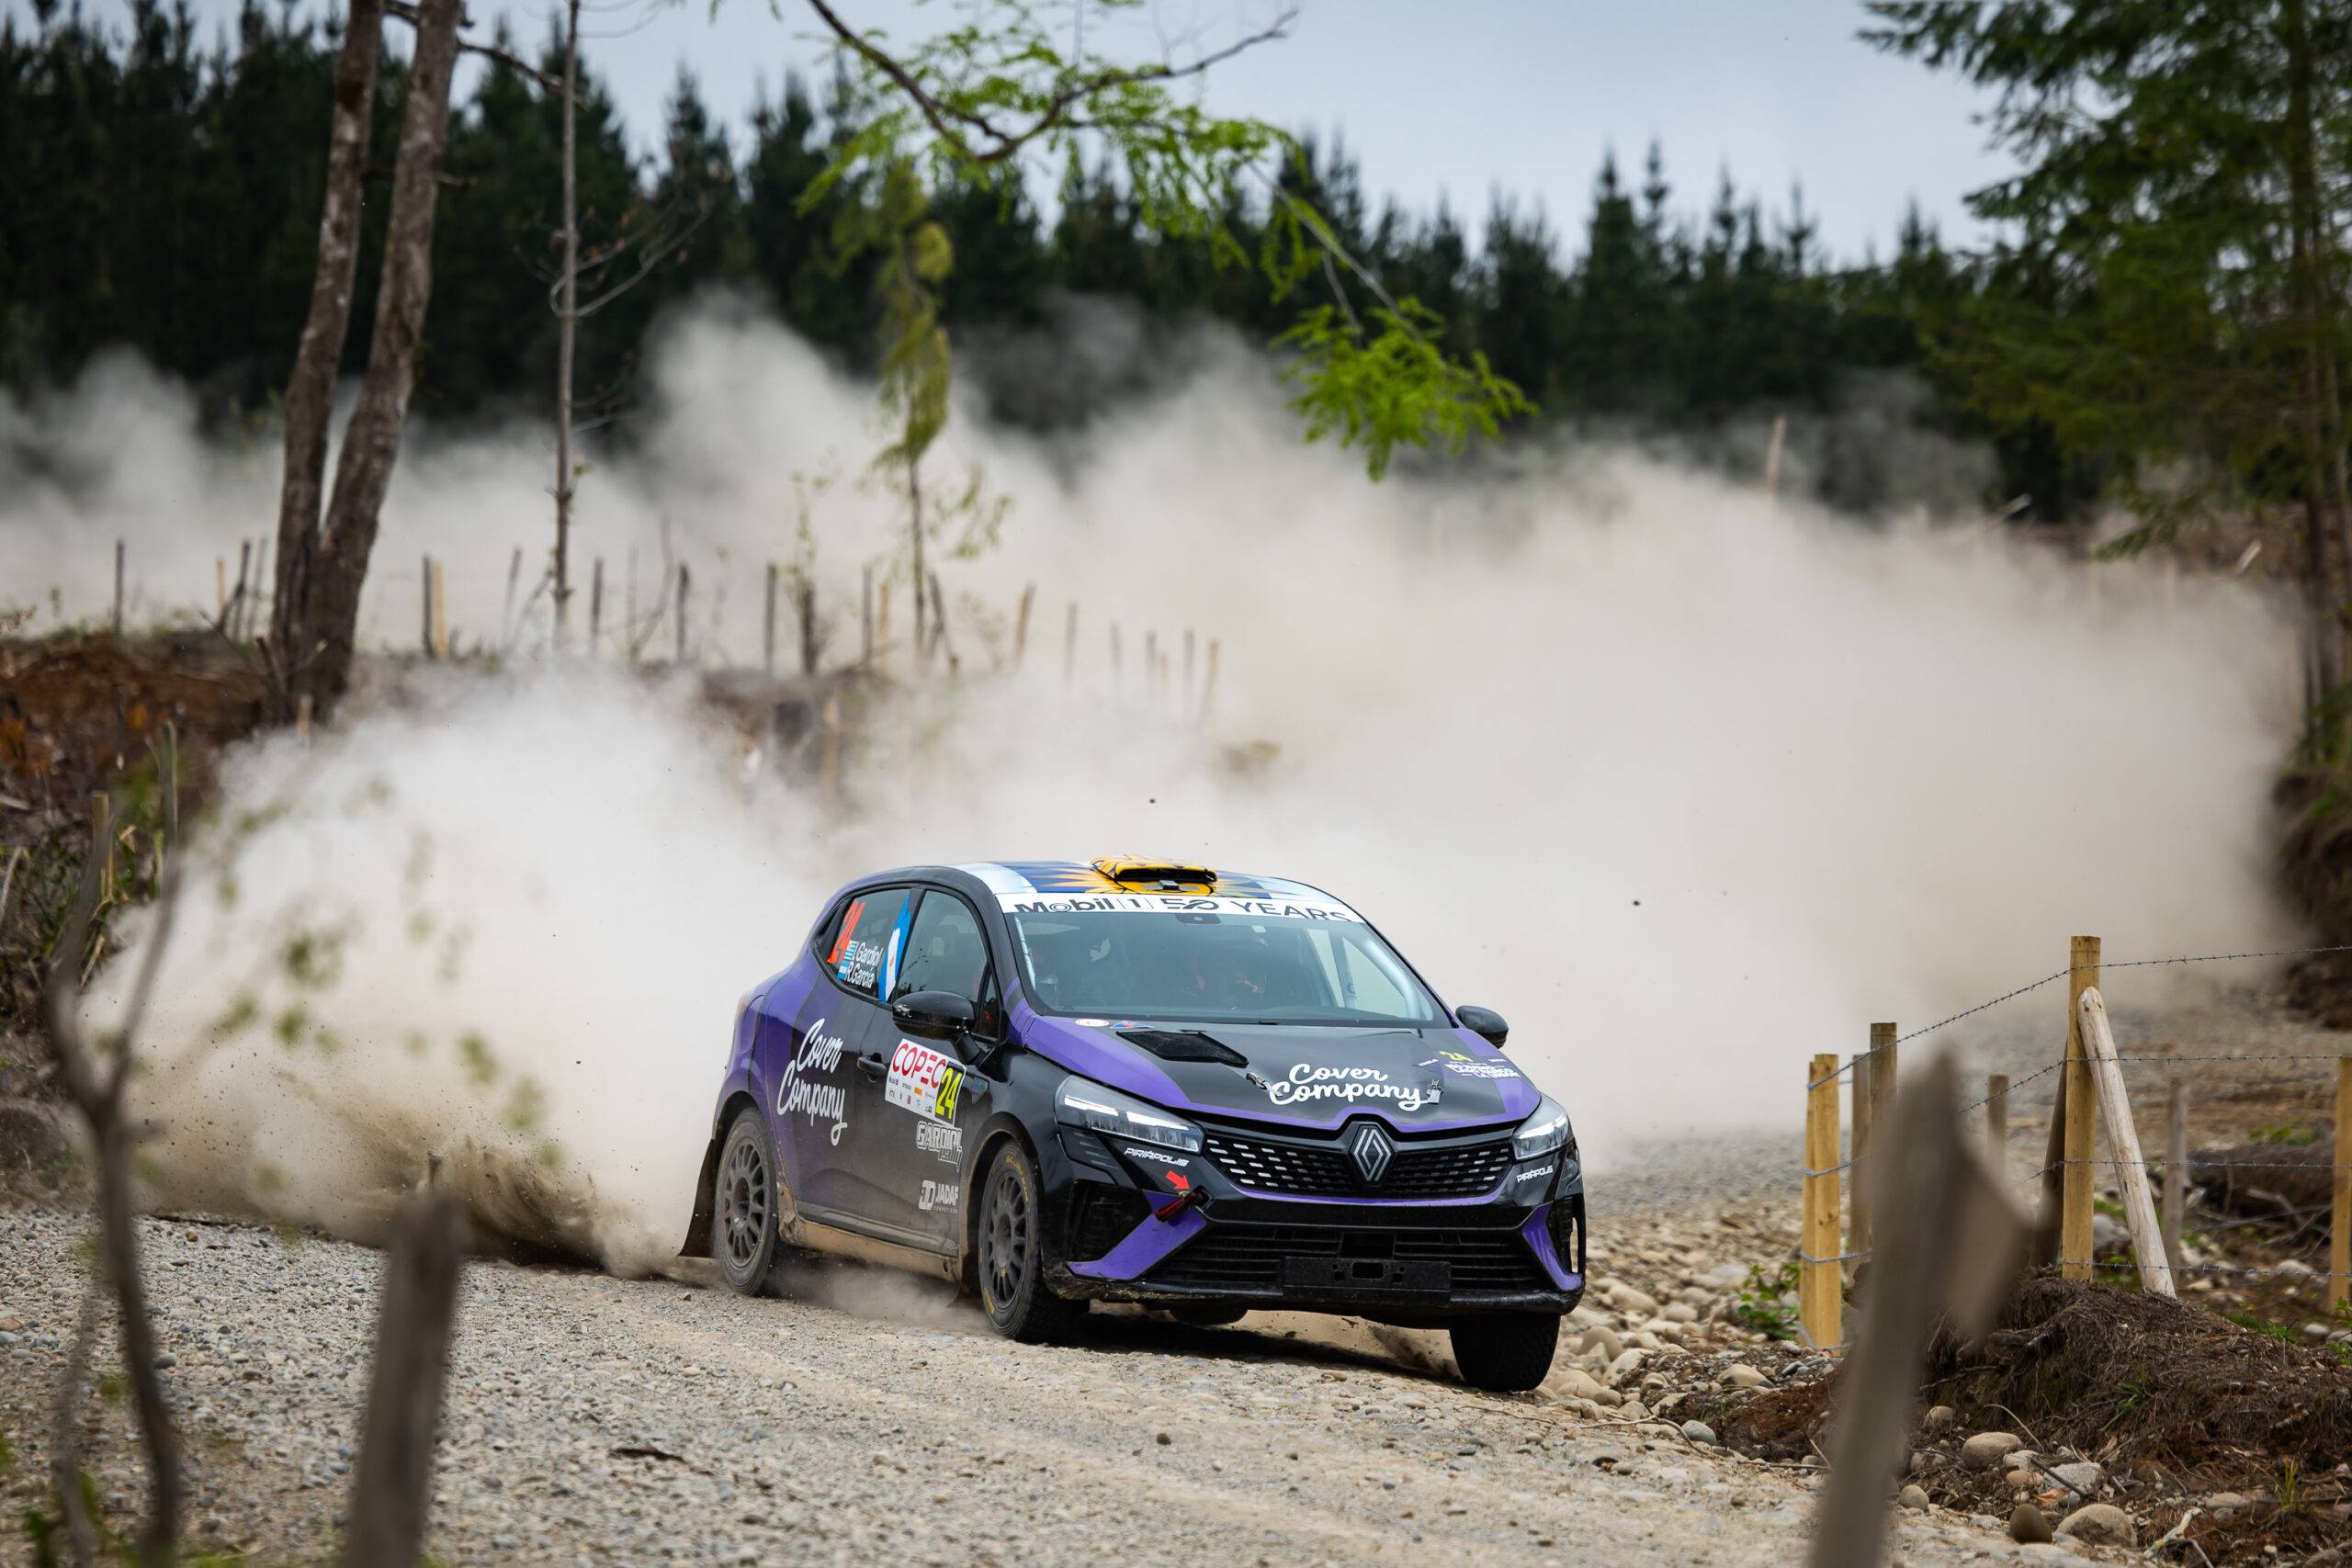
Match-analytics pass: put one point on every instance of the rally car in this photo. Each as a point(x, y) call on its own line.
point(1054, 1083)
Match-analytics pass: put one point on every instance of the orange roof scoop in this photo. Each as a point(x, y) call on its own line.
point(1130, 872)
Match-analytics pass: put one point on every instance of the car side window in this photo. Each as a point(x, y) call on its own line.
point(946, 951)
point(863, 947)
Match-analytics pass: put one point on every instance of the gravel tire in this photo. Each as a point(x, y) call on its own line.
point(1505, 1354)
point(743, 1206)
point(1012, 1253)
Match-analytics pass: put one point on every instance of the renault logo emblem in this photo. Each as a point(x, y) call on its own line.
point(1371, 1149)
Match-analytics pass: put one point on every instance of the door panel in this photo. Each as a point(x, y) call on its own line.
point(827, 1082)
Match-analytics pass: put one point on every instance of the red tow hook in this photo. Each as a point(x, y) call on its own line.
point(1186, 1195)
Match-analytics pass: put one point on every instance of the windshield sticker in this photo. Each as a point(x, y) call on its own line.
point(796, 1095)
point(1454, 1062)
point(939, 1138)
point(1320, 908)
point(923, 1081)
point(1306, 1082)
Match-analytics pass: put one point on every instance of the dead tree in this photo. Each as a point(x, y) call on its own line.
point(310, 390)
point(320, 570)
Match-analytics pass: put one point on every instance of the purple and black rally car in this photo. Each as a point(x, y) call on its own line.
point(1130, 1081)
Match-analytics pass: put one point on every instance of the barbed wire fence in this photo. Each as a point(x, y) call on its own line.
point(1835, 1227)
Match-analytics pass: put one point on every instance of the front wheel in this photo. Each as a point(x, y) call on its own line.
point(1012, 1259)
point(1505, 1355)
point(743, 1223)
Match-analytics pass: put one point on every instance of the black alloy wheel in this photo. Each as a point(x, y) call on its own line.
point(1013, 1254)
point(744, 1222)
point(1508, 1353)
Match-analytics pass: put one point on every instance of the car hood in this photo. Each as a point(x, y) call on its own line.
point(1311, 1077)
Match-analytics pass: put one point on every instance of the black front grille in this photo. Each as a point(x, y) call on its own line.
point(1249, 1258)
point(1101, 1218)
point(1264, 1164)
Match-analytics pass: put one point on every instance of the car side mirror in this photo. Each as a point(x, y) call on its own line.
point(1486, 1023)
point(935, 1015)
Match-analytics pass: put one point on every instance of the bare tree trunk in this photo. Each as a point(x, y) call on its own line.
point(567, 323)
point(2320, 461)
point(415, 1316)
point(309, 391)
point(319, 664)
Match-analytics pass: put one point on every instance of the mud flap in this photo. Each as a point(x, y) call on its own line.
point(705, 1186)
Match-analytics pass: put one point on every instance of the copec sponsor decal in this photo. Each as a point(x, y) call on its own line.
point(923, 1081)
point(1307, 1082)
point(800, 1092)
point(1176, 904)
point(939, 1138)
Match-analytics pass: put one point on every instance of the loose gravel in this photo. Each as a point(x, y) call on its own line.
point(598, 1421)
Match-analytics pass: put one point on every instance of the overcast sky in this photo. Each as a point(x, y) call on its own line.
point(1454, 100)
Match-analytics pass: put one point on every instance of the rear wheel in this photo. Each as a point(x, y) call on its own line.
point(1505, 1355)
point(1013, 1260)
point(743, 1218)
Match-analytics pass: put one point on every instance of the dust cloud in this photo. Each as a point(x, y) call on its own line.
point(1687, 783)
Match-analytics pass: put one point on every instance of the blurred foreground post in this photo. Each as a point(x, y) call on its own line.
point(415, 1318)
point(1997, 1123)
point(2081, 1104)
point(2339, 1244)
point(1949, 1245)
point(2175, 1169)
point(2131, 1170)
point(1819, 1298)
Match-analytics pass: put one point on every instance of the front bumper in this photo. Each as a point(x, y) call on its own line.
point(1152, 1230)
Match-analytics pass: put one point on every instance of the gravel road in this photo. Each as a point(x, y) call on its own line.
point(867, 1419)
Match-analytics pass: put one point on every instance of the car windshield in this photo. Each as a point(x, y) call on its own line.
point(1206, 965)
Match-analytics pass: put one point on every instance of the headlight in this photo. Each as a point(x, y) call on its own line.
point(1081, 1104)
point(1542, 1133)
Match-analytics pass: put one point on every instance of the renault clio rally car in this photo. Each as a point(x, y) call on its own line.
point(1054, 1083)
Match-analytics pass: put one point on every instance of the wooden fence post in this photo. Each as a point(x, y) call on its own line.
point(1020, 626)
point(767, 626)
point(2123, 1138)
point(2339, 1246)
point(1873, 1102)
point(2082, 1107)
point(1820, 1297)
point(1208, 689)
point(1997, 1123)
point(2175, 1169)
point(865, 618)
point(440, 613)
point(1858, 1067)
point(424, 604)
point(684, 581)
point(882, 630)
point(102, 842)
point(804, 600)
point(595, 605)
point(118, 590)
point(1069, 645)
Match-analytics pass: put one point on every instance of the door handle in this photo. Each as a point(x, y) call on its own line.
point(874, 1065)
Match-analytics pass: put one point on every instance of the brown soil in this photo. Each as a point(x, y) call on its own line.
point(2175, 1403)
